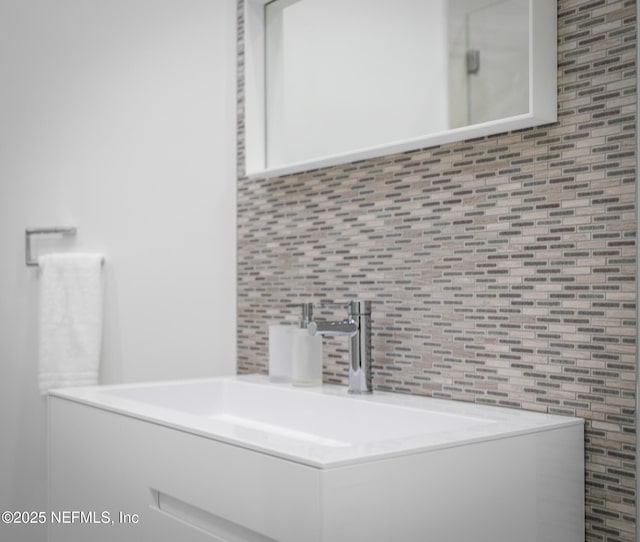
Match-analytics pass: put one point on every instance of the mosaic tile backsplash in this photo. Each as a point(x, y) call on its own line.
point(502, 270)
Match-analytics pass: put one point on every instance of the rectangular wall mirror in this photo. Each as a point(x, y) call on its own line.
point(332, 81)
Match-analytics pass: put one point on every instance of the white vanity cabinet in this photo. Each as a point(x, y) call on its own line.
point(101, 461)
point(123, 469)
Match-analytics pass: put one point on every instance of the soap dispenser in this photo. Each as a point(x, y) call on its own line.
point(306, 352)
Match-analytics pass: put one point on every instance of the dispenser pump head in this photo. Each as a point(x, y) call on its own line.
point(307, 315)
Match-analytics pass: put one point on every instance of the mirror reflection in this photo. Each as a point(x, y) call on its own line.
point(343, 75)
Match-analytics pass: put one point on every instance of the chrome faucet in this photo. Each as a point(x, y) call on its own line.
point(357, 326)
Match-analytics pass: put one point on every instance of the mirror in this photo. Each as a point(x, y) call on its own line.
point(332, 81)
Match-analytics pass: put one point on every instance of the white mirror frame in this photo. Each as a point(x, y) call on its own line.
point(542, 97)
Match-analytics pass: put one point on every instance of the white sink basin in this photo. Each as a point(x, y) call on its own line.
point(326, 419)
point(323, 426)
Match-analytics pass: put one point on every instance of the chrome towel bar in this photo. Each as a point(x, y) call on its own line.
point(29, 259)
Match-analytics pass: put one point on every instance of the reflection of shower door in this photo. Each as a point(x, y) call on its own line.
point(498, 61)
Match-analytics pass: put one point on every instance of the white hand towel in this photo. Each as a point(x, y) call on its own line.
point(70, 320)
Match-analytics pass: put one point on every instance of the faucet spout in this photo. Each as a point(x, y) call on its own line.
point(357, 327)
point(345, 328)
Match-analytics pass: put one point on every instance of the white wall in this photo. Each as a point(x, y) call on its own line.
point(117, 116)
